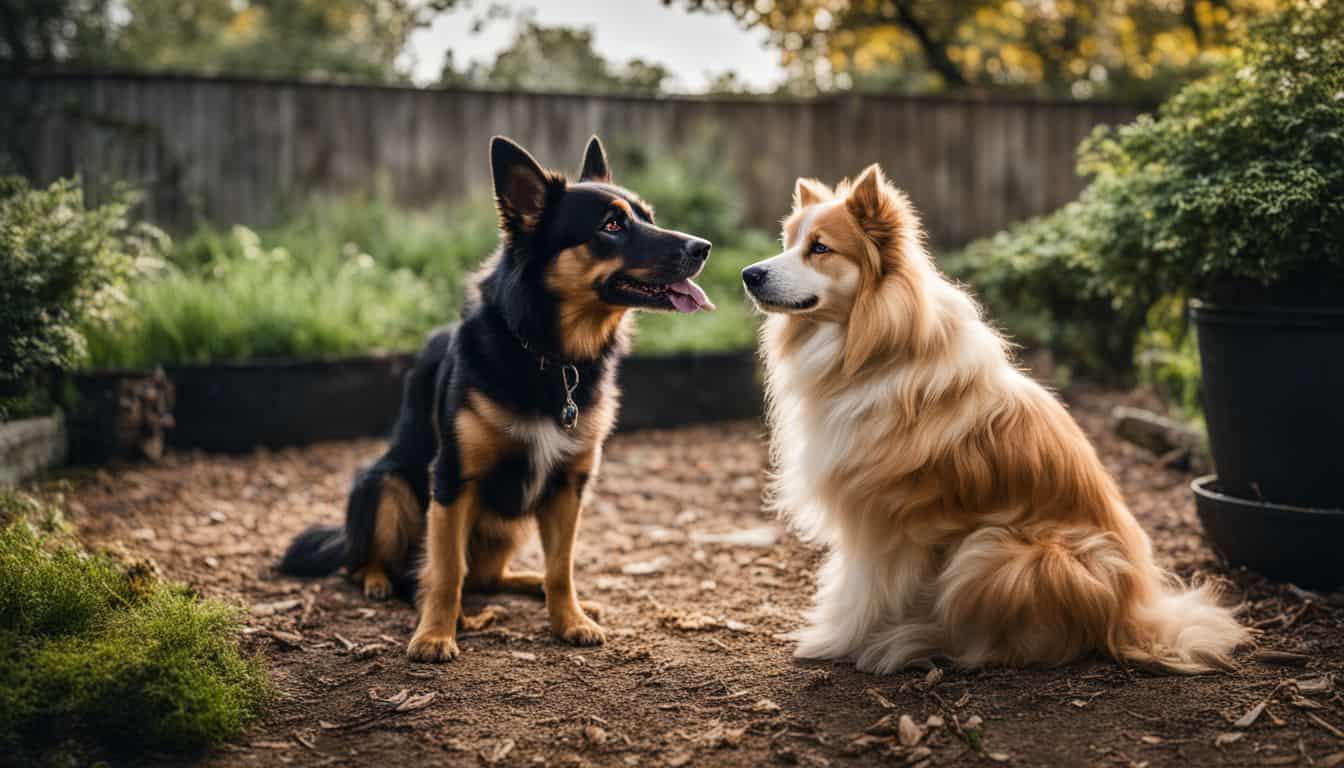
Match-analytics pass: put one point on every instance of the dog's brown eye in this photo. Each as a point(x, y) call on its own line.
point(612, 226)
point(819, 248)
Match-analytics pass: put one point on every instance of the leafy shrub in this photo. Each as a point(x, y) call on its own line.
point(692, 190)
point(1235, 190)
point(100, 651)
point(61, 264)
point(357, 274)
point(1039, 283)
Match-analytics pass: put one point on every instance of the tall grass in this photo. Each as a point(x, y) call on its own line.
point(359, 274)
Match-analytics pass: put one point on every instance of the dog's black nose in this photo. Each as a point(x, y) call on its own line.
point(753, 276)
point(697, 249)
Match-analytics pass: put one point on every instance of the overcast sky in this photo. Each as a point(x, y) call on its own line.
point(694, 46)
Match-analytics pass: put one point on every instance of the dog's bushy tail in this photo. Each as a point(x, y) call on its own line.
point(1017, 598)
point(1185, 629)
point(321, 549)
point(318, 551)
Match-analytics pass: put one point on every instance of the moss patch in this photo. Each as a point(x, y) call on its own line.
point(101, 653)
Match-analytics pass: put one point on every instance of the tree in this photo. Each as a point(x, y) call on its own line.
point(1066, 47)
point(543, 58)
point(351, 38)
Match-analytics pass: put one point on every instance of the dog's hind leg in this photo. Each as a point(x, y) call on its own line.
point(493, 544)
point(396, 529)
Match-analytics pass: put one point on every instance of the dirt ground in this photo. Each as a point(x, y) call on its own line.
point(696, 670)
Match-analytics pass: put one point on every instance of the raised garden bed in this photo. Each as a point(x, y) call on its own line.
point(234, 407)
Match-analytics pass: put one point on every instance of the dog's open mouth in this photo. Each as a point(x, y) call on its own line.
point(683, 295)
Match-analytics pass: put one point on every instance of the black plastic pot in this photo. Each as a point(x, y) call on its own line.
point(1297, 544)
point(1274, 402)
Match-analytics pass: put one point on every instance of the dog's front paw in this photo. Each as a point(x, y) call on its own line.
point(581, 630)
point(432, 647)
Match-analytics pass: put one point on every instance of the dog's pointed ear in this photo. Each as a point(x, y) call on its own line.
point(876, 206)
point(865, 194)
point(521, 186)
point(595, 166)
point(809, 192)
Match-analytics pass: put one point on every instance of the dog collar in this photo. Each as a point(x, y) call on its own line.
point(569, 377)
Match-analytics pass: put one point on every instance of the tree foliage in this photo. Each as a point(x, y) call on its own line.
point(1079, 48)
point(544, 58)
point(1233, 192)
point(351, 38)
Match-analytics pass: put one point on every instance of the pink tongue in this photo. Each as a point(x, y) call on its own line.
point(686, 296)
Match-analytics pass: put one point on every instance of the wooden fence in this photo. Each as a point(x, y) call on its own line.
point(236, 150)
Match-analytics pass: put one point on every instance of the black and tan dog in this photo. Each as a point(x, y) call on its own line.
point(504, 417)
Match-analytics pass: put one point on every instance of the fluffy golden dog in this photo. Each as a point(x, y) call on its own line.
point(965, 513)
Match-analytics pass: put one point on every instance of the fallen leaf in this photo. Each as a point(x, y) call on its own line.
point(372, 649)
point(594, 735)
point(973, 723)
point(1304, 703)
point(765, 705)
point(882, 701)
point(500, 751)
point(1151, 739)
point(327, 725)
point(919, 753)
point(646, 567)
point(1223, 739)
point(1079, 703)
point(998, 757)
point(733, 625)
point(291, 639)
point(932, 679)
point(272, 745)
point(413, 703)
point(278, 606)
point(908, 733)
point(720, 736)
point(1321, 684)
point(759, 537)
point(934, 721)
point(1253, 714)
point(523, 655)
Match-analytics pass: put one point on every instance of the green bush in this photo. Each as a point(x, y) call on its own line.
point(1235, 190)
point(358, 274)
point(1039, 284)
point(99, 652)
point(61, 264)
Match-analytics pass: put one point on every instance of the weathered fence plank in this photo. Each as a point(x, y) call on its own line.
point(236, 150)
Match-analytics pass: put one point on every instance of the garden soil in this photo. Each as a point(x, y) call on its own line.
point(699, 588)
